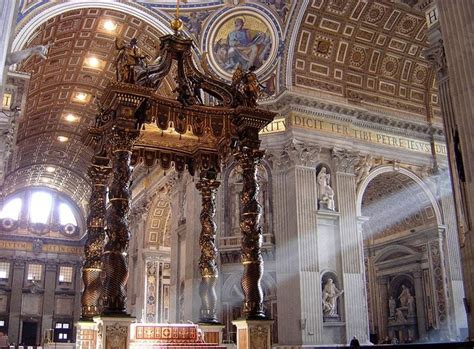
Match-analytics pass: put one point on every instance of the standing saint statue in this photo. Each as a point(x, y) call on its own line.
point(391, 306)
point(330, 296)
point(404, 296)
point(325, 192)
point(130, 58)
point(411, 305)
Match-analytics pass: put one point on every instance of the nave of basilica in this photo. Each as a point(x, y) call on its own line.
point(248, 174)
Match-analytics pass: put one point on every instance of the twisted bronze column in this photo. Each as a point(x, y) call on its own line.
point(98, 173)
point(208, 185)
point(118, 232)
point(251, 230)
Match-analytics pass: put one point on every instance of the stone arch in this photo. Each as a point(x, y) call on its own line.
point(23, 35)
point(386, 169)
point(157, 231)
point(395, 251)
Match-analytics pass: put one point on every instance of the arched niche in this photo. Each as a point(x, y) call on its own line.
point(401, 219)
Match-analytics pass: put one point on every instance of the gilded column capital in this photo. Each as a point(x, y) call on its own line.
point(345, 160)
point(122, 139)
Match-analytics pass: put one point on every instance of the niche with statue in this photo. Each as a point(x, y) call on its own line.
point(325, 190)
point(402, 309)
point(331, 294)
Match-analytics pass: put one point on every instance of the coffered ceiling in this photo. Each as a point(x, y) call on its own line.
point(63, 94)
point(367, 53)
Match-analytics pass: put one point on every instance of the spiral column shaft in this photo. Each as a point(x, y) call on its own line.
point(208, 186)
point(251, 230)
point(90, 300)
point(118, 231)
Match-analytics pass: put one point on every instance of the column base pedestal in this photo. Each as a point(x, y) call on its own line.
point(253, 334)
point(113, 331)
point(212, 332)
point(86, 334)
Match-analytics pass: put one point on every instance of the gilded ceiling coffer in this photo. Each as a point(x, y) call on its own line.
point(208, 186)
point(118, 232)
point(98, 173)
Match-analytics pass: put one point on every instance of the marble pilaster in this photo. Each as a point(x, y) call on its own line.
point(383, 305)
point(455, 18)
point(352, 253)
point(298, 277)
point(48, 297)
point(420, 304)
point(15, 300)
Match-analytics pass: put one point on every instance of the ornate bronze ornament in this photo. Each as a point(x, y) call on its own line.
point(207, 123)
point(208, 185)
point(98, 173)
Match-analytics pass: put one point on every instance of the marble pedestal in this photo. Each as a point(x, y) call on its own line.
point(86, 335)
point(253, 334)
point(113, 331)
point(212, 332)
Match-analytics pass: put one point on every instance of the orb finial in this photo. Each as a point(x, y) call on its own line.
point(176, 24)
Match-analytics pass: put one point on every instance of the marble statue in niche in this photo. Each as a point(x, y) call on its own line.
point(404, 296)
point(411, 305)
point(399, 317)
point(392, 304)
point(325, 192)
point(330, 296)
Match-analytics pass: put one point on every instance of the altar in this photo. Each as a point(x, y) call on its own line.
point(182, 336)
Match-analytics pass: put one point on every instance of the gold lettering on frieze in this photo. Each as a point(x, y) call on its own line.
point(277, 125)
point(62, 249)
point(16, 245)
point(313, 123)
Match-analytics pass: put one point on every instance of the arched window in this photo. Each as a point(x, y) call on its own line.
point(66, 216)
point(40, 207)
point(11, 209)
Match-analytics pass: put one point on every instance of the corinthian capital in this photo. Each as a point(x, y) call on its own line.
point(436, 55)
point(122, 139)
point(294, 153)
point(345, 160)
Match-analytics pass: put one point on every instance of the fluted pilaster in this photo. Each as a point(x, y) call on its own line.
point(352, 253)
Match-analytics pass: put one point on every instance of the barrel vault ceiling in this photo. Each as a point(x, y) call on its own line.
point(364, 52)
